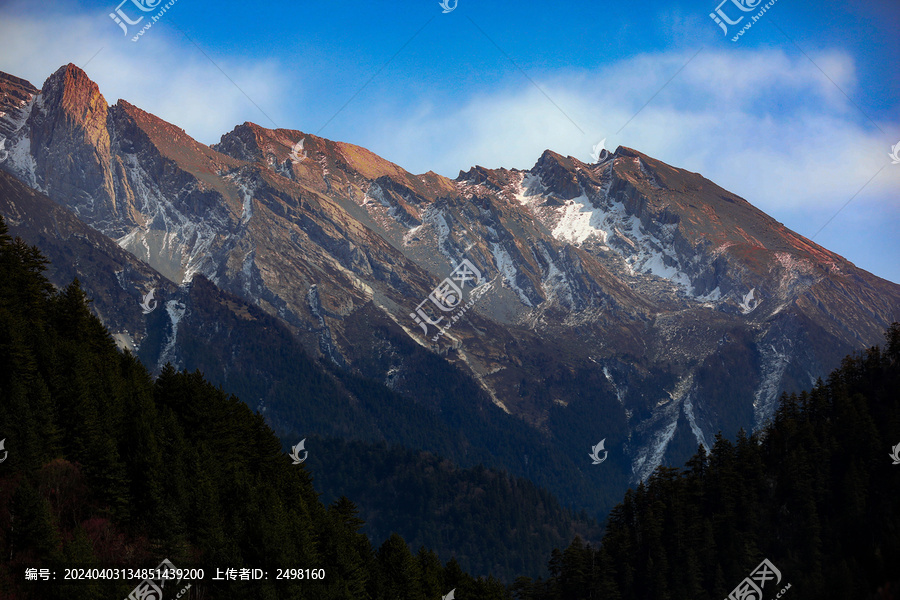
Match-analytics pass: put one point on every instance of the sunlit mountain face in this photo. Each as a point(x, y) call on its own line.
point(625, 299)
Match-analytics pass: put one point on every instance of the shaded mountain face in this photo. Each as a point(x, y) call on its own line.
point(254, 355)
point(625, 299)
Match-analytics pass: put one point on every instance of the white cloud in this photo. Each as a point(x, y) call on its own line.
point(765, 125)
point(162, 73)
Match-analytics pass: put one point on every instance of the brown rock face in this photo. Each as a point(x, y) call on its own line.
point(15, 96)
point(71, 145)
point(627, 286)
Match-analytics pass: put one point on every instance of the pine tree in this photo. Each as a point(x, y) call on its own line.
point(398, 571)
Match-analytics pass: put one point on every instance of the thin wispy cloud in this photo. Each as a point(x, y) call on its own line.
point(162, 73)
point(774, 116)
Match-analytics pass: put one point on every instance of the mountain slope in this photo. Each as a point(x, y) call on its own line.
point(618, 300)
point(502, 526)
point(247, 352)
point(106, 467)
point(815, 493)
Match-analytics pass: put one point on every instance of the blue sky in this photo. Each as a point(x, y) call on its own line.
point(798, 116)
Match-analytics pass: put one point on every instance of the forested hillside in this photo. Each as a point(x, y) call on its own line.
point(475, 515)
point(108, 467)
point(816, 493)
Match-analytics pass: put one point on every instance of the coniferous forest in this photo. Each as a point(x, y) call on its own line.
point(108, 466)
point(815, 493)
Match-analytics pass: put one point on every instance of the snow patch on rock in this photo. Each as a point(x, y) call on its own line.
point(692, 421)
point(774, 364)
point(579, 221)
point(23, 163)
point(651, 456)
point(184, 245)
point(663, 422)
point(608, 222)
point(507, 268)
point(620, 395)
point(176, 311)
point(555, 283)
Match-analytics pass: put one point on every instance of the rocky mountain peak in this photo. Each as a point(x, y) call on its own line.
point(246, 142)
point(9, 82)
point(60, 143)
point(15, 96)
point(74, 93)
point(494, 179)
point(564, 175)
point(14, 92)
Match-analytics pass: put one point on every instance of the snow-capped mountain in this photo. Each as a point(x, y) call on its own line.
point(626, 298)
